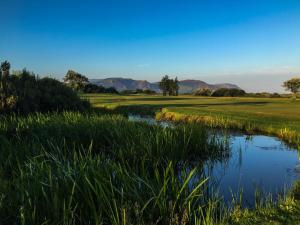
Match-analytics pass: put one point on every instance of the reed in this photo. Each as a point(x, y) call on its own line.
point(74, 168)
point(290, 136)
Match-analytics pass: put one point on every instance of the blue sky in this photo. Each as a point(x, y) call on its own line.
point(255, 44)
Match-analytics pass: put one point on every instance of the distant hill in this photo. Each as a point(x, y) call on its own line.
point(185, 86)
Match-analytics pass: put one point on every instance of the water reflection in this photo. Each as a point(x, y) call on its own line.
point(255, 162)
point(261, 163)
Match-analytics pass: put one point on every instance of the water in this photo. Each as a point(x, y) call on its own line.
point(261, 163)
point(256, 163)
point(148, 119)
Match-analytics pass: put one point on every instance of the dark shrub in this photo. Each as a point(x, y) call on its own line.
point(203, 92)
point(138, 91)
point(127, 92)
point(111, 90)
point(149, 92)
point(55, 96)
point(228, 92)
point(93, 88)
point(275, 95)
point(27, 93)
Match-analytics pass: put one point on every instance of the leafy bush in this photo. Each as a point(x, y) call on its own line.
point(266, 95)
point(138, 91)
point(27, 93)
point(55, 96)
point(149, 92)
point(111, 90)
point(203, 92)
point(228, 92)
point(275, 95)
point(93, 88)
point(75, 80)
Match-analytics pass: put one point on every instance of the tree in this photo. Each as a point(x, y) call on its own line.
point(5, 67)
point(292, 85)
point(75, 80)
point(176, 86)
point(164, 85)
point(169, 86)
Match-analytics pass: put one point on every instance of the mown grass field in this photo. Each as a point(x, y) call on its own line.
point(275, 116)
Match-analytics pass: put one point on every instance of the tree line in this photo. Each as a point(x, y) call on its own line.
point(24, 92)
point(222, 92)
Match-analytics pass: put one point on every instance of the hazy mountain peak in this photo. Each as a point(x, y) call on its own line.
point(185, 86)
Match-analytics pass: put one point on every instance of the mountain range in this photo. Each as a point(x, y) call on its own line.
point(185, 86)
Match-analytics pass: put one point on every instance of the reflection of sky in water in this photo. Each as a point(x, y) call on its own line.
point(259, 162)
point(256, 163)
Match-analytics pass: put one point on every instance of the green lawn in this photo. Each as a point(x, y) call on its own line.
point(277, 116)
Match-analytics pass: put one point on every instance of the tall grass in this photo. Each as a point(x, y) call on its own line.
point(87, 169)
point(73, 168)
point(289, 136)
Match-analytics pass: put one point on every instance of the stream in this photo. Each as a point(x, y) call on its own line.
point(257, 163)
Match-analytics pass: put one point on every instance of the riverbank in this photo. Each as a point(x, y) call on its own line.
point(249, 126)
point(272, 116)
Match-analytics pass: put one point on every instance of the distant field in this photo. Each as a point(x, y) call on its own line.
point(272, 115)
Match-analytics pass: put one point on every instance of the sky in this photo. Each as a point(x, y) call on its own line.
point(253, 43)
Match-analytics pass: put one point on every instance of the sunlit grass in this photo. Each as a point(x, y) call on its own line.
point(275, 116)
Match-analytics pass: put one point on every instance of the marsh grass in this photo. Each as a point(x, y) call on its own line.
point(73, 168)
point(272, 116)
point(290, 136)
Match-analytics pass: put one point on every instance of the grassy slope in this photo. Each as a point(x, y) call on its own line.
point(280, 112)
point(274, 116)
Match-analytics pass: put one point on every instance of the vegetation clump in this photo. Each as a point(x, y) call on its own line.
point(292, 85)
point(222, 92)
point(93, 88)
point(169, 86)
point(138, 91)
point(23, 92)
point(228, 92)
point(72, 168)
point(75, 80)
point(203, 92)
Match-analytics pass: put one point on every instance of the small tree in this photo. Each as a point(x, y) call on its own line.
point(292, 85)
point(4, 75)
point(169, 86)
point(164, 84)
point(75, 80)
point(176, 86)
